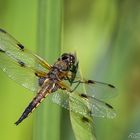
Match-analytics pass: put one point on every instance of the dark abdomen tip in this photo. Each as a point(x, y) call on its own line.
point(17, 122)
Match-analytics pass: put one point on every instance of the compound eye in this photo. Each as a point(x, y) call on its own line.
point(64, 57)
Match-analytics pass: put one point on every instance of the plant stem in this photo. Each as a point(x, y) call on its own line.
point(47, 124)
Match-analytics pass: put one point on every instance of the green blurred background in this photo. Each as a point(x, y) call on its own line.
point(105, 36)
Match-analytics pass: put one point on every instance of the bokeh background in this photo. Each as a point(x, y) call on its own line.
point(105, 36)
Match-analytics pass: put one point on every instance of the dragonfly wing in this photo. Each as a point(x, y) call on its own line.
point(16, 51)
point(20, 65)
point(61, 99)
point(98, 89)
point(101, 109)
point(83, 104)
point(69, 102)
point(21, 75)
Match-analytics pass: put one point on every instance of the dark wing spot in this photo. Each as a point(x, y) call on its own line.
point(85, 119)
point(26, 112)
point(109, 105)
point(111, 86)
point(21, 46)
point(83, 95)
point(22, 64)
point(3, 31)
point(2, 51)
point(36, 74)
point(91, 82)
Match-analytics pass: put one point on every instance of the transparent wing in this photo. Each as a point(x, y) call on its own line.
point(20, 64)
point(23, 76)
point(98, 89)
point(16, 51)
point(83, 104)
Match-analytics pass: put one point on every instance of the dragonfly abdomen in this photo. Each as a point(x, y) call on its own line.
point(36, 101)
point(33, 104)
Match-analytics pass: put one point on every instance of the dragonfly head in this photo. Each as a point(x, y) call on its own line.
point(69, 59)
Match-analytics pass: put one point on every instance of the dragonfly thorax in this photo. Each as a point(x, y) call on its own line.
point(60, 69)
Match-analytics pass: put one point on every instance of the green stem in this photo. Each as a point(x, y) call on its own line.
point(47, 124)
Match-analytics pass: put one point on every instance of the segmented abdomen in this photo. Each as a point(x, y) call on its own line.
point(46, 89)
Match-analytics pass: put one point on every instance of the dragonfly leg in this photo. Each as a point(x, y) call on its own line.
point(78, 82)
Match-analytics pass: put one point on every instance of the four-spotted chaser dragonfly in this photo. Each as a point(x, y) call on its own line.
point(35, 74)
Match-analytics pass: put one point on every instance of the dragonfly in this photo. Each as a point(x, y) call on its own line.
point(59, 80)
